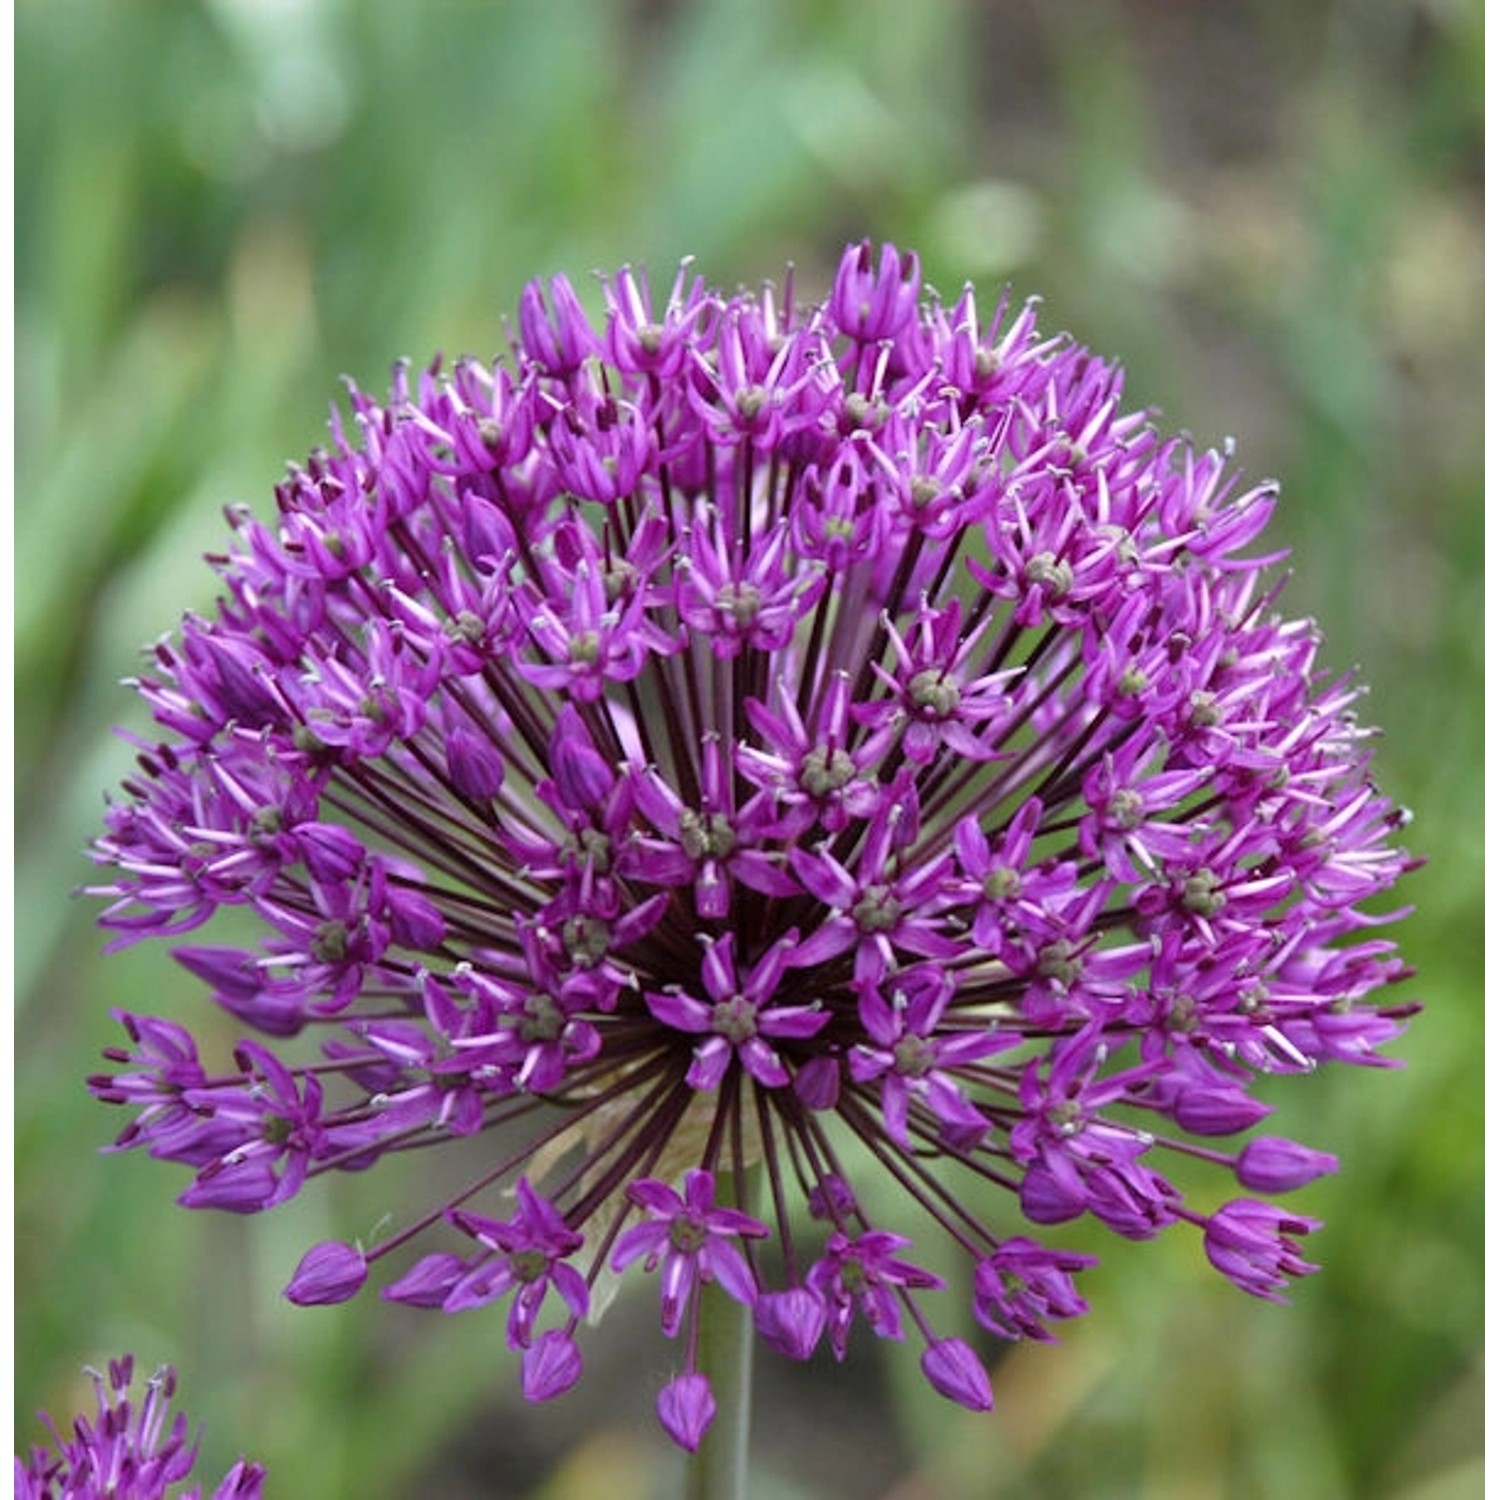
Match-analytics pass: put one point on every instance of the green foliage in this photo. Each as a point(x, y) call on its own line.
point(1270, 212)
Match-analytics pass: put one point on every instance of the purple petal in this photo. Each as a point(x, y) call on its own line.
point(655, 1197)
point(730, 1271)
point(680, 1012)
point(963, 1125)
point(480, 1286)
point(884, 1312)
point(698, 1189)
point(243, 1188)
point(895, 1102)
point(658, 802)
point(710, 1063)
point(955, 1051)
point(800, 1021)
point(638, 920)
point(730, 1221)
point(245, 1481)
point(428, 1283)
point(679, 1281)
point(636, 1242)
point(551, 1366)
point(833, 938)
point(822, 878)
point(879, 1018)
point(1044, 1200)
point(711, 891)
point(762, 873)
point(762, 1064)
point(762, 980)
point(817, 1083)
point(572, 1288)
point(718, 968)
point(972, 846)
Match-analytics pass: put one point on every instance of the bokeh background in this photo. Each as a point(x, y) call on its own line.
point(1269, 210)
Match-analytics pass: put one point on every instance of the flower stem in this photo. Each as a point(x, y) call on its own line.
point(720, 1469)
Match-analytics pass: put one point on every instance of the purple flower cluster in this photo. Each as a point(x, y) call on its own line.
point(730, 752)
point(128, 1451)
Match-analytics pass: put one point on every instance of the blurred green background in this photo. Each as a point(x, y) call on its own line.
point(1270, 210)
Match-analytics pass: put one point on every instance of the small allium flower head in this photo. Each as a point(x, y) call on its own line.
point(752, 742)
point(128, 1450)
point(1022, 1284)
point(1251, 1243)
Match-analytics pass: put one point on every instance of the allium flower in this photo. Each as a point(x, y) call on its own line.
point(753, 742)
point(129, 1450)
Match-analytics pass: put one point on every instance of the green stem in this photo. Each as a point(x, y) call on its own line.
point(720, 1469)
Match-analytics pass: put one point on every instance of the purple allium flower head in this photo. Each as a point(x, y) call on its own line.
point(130, 1447)
point(731, 751)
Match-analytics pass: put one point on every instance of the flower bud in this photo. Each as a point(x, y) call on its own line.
point(956, 1372)
point(1270, 1164)
point(330, 1272)
point(474, 765)
point(1211, 1111)
point(791, 1322)
point(686, 1407)
point(550, 1366)
point(330, 853)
